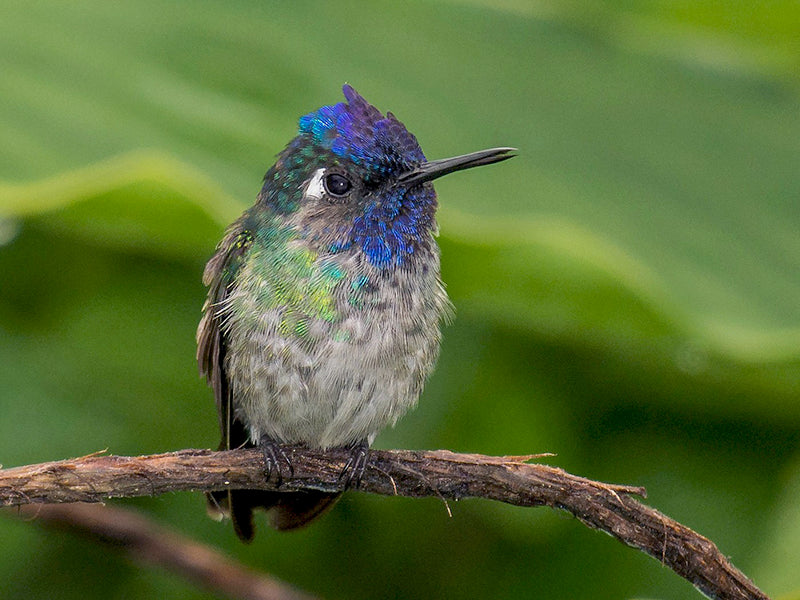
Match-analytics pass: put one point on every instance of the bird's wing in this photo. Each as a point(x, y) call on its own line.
point(219, 276)
point(289, 510)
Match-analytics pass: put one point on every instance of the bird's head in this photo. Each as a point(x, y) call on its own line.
point(356, 180)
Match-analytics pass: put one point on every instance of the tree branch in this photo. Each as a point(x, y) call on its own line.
point(150, 543)
point(441, 473)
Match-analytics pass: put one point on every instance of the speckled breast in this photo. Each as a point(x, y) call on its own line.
point(337, 369)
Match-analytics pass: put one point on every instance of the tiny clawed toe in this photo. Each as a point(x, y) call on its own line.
point(355, 466)
point(275, 458)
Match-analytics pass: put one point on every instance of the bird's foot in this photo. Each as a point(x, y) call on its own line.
point(276, 461)
point(354, 468)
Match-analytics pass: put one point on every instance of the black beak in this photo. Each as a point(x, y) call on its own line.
point(436, 168)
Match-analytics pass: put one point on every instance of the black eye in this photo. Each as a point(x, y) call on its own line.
point(337, 185)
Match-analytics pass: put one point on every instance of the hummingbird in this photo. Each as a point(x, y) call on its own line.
point(325, 301)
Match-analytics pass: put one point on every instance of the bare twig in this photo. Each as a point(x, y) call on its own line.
point(151, 543)
point(602, 506)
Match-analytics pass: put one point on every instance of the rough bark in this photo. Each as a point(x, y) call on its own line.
point(607, 507)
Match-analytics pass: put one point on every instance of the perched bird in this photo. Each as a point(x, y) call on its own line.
point(325, 301)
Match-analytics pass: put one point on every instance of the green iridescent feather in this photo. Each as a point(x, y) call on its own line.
point(275, 274)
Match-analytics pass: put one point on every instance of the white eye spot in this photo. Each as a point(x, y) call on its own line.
point(315, 189)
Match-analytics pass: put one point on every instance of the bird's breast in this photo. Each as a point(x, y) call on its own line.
point(332, 357)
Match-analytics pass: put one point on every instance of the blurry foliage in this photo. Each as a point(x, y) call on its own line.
point(627, 288)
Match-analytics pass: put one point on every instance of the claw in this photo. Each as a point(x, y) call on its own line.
point(276, 461)
point(354, 468)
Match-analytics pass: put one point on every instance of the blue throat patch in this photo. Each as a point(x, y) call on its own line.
point(390, 233)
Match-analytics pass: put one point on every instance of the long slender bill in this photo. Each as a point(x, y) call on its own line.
point(436, 168)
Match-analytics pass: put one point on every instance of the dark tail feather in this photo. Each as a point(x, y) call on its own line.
point(287, 510)
point(298, 509)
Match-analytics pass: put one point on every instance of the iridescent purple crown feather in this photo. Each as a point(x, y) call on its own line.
point(357, 131)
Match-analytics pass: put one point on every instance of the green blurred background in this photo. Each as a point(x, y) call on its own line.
point(627, 288)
